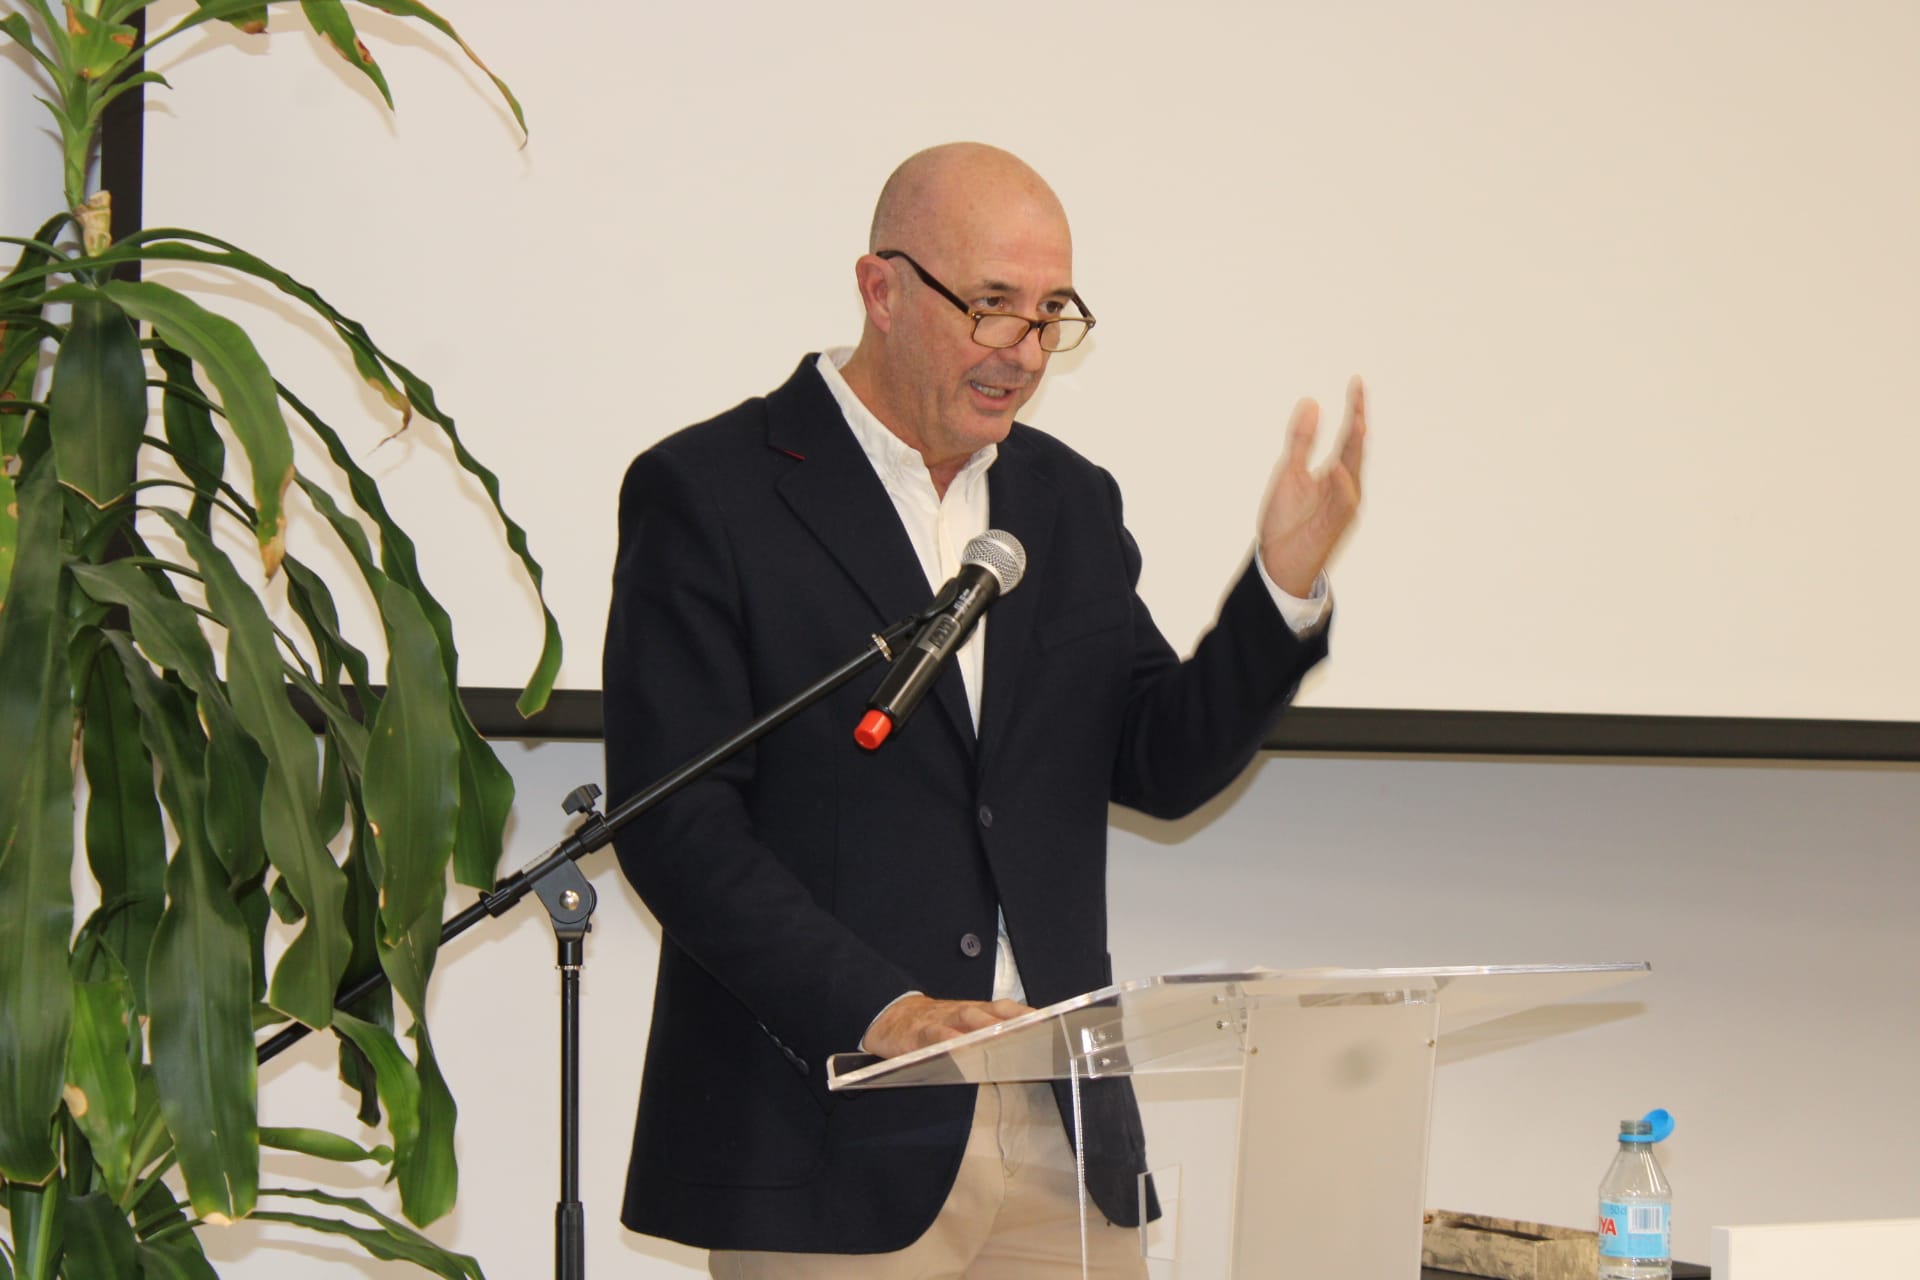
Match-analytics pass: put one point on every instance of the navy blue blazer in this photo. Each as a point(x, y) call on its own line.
point(808, 882)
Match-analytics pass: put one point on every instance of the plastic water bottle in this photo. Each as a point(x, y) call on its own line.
point(1636, 1206)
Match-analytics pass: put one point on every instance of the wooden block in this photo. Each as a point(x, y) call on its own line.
point(1503, 1249)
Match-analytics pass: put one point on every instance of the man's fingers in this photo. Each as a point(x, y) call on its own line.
point(1301, 429)
point(919, 1021)
point(975, 1015)
point(1291, 469)
point(1353, 448)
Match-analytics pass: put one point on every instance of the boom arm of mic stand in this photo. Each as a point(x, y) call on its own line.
point(596, 832)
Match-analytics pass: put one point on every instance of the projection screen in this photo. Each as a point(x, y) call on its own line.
point(1635, 288)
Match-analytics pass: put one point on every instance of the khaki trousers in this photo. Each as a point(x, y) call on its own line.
point(1013, 1214)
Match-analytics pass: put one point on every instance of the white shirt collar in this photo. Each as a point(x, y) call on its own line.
point(893, 458)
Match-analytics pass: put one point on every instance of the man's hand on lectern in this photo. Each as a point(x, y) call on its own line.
point(914, 1022)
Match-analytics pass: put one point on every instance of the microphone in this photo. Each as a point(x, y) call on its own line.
point(991, 566)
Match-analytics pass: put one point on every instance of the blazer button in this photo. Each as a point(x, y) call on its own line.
point(969, 945)
point(986, 816)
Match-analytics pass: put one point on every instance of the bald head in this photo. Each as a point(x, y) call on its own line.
point(950, 190)
point(984, 234)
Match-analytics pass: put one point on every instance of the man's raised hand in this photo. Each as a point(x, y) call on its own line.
point(1305, 513)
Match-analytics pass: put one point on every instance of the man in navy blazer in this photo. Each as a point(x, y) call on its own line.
point(816, 897)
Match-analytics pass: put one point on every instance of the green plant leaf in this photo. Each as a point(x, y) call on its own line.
point(486, 797)
point(36, 1216)
point(428, 1173)
point(420, 1109)
point(231, 362)
point(409, 1245)
point(197, 445)
point(486, 789)
point(412, 784)
point(9, 529)
point(199, 974)
point(36, 840)
point(127, 84)
point(255, 911)
point(335, 793)
point(95, 45)
point(175, 1258)
point(425, 1167)
point(323, 1145)
point(363, 922)
point(398, 554)
point(23, 329)
point(250, 17)
point(309, 970)
point(99, 401)
point(170, 727)
point(227, 805)
point(174, 244)
point(312, 603)
point(202, 1036)
point(395, 1078)
point(158, 1210)
point(152, 1156)
point(23, 337)
point(16, 26)
point(329, 18)
point(285, 906)
point(235, 774)
point(100, 1241)
point(167, 629)
point(78, 1171)
point(342, 765)
point(126, 847)
point(92, 534)
point(100, 1091)
point(382, 1243)
point(410, 9)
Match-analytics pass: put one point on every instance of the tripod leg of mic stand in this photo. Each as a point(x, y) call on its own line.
point(569, 901)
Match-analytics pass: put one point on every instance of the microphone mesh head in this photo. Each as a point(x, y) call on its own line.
point(999, 553)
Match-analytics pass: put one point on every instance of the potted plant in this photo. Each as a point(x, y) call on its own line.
point(139, 650)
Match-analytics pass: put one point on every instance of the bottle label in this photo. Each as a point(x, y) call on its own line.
point(1630, 1230)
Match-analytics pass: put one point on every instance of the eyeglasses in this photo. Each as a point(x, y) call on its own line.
point(1000, 329)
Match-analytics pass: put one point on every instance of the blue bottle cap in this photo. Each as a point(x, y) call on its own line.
point(1655, 1126)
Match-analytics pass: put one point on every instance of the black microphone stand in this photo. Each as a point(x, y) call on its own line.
point(556, 879)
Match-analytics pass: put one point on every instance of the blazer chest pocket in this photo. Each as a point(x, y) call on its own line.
point(1109, 613)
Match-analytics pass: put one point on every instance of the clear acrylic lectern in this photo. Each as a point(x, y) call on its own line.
point(1328, 1150)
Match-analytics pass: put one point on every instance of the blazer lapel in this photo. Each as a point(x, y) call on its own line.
point(1021, 499)
point(836, 494)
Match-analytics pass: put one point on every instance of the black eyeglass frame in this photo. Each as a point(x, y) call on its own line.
point(1085, 317)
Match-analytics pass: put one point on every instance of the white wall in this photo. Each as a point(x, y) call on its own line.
point(1780, 1024)
point(1634, 285)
